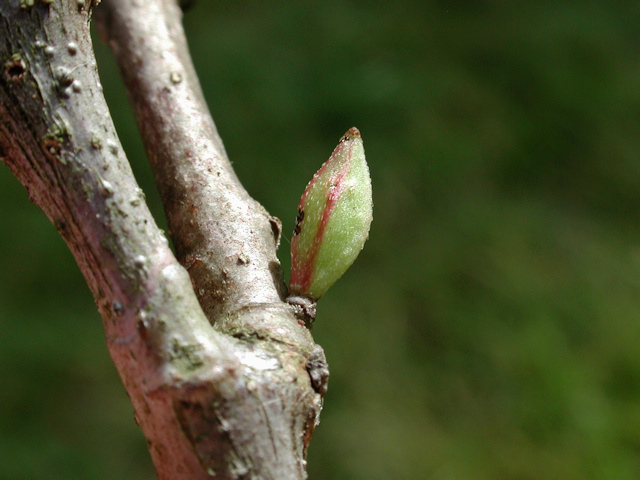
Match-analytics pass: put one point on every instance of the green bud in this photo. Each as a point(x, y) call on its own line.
point(334, 216)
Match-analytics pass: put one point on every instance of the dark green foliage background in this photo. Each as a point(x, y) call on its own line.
point(490, 328)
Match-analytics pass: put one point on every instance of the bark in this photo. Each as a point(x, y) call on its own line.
point(225, 383)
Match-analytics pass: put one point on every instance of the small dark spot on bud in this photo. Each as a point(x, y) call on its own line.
point(299, 220)
point(352, 133)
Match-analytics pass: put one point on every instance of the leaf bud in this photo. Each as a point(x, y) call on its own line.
point(334, 216)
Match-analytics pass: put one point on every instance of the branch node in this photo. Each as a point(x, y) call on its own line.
point(318, 369)
point(304, 308)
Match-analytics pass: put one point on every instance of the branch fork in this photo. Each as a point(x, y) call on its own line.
point(224, 380)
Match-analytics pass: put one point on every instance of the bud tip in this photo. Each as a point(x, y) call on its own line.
point(352, 133)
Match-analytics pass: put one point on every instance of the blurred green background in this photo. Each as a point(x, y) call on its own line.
point(491, 327)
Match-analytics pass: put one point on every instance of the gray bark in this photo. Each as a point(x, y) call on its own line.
point(224, 379)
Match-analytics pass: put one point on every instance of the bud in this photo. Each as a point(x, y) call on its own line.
point(334, 216)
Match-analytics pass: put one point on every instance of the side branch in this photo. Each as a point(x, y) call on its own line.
point(225, 239)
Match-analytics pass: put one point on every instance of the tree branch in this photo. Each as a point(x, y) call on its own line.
point(236, 404)
point(222, 236)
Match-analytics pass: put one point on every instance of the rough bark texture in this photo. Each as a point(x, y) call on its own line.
point(225, 383)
